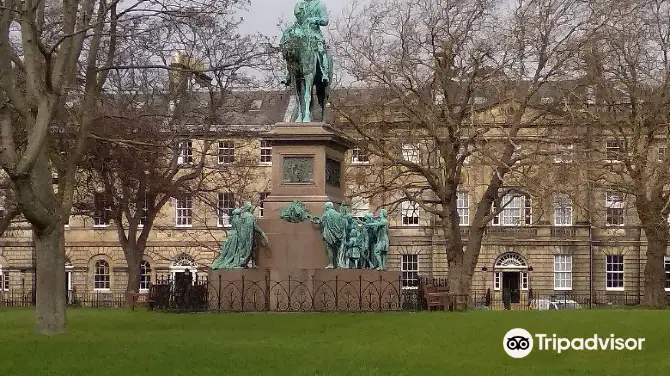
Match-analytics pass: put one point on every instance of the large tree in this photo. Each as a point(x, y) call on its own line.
point(157, 131)
point(428, 64)
point(627, 76)
point(54, 53)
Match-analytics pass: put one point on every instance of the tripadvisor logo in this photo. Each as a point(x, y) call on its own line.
point(518, 343)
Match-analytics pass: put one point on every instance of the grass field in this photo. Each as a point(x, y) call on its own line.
point(120, 342)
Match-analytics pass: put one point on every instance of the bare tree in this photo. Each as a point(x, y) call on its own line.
point(426, 66)
point(52, 54)
point(157, 138)
point(628, 84)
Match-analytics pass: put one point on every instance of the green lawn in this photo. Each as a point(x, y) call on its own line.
point(120, 342)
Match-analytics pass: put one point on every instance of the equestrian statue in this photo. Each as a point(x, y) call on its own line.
point(308, 63)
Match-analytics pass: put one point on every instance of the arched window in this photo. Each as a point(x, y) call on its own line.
point(510, 260)
point(101, 276)
point(183, 263)
point(145, 276)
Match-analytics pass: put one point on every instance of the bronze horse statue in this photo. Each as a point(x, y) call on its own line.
point(299, 50)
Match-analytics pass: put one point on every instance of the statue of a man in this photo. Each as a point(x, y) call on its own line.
point(248, 228)
point(333, 232)
point(312, 15)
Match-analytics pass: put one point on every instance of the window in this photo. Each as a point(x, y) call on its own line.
point(410, 153)
point(183, 211)
point(614, 272)
point(517, 211)
point(479, 100)
point(409, 212)
point(496, 281)
point(562, 210)
point(226, 152)
point(613, 150)
point(145, 212)
point(524, 281)
point(185, 153)
point(101, 276)
point(101, 211)
point(145, 276)
point(225, 207)
point(266, 152)
point(564, 153)
point(359, 156)
point(463, 208)
point(261, 203)
point(4, 280)
point(562, 272)
point(463, 150)
point(360, 206)
point(666, 263)
point(410, 271)
point(661, 153)
point(615, 205)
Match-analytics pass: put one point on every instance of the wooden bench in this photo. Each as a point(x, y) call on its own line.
point(138, 299)
point(434, 298)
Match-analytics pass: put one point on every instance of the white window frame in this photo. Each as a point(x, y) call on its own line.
point(562, 210)
point(411, 153)
point(409, 269)
point(183, 215)
point(102, 219)
point(521, 203)
point(615, 200)
point(564, 152)
point(462, 150)
point(145, 213)
point(562, 272)
point(358, 156)
point(223, 211)
point(226, 152)
point(613, 146)
point(524, 281)
point(107, 282)
point(69, 275)
point(497, 281)
point(463, 206)
point(411, 211)
point(621, 272)
point(666, 266)
point(4, 279)
point(261, 203)
point(145, 276)
point(185, 157)
point(265, 152)
point(661, 153)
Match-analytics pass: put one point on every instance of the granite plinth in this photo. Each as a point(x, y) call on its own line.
point(302, 290)
point(291, 246)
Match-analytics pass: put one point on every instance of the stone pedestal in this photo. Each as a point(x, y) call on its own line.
point(307, 162)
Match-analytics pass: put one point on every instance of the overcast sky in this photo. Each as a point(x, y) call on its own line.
point(264, 15)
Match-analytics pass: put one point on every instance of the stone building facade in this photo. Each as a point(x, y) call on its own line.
point(543, 243)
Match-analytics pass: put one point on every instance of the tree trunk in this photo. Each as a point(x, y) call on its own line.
point(50, 289)
point(133, 259)
point(654, 295)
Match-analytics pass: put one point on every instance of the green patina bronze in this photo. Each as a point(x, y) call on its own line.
point(244, 239)
point(308, 62)
point(350, 242)
point(295, 212)
point(298, 170)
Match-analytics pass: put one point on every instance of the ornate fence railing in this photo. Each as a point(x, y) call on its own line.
point(289, 295)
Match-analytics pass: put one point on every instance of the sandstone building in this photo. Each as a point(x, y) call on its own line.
point(581, 242)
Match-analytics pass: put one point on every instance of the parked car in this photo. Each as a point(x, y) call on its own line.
point(554, 303)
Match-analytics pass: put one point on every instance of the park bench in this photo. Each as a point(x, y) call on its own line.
point(138, 299)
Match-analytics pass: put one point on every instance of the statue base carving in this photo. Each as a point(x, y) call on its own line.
point(304, 290)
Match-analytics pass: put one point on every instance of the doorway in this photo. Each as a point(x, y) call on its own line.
point(512, 281)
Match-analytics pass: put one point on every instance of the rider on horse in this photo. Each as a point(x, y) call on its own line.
point(310, 16)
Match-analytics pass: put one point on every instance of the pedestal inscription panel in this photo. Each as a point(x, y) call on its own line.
point(298, 170)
